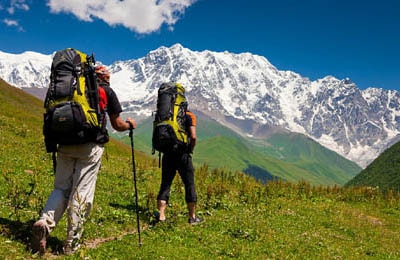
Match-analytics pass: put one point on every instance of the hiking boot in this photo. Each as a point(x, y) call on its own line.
point(39, 236)
point(195, 221)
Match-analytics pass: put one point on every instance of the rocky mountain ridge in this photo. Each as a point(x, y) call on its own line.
point(246, 93)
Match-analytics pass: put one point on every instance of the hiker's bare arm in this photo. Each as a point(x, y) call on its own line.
point(119, 124)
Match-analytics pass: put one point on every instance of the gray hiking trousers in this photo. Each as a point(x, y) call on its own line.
point(74, 186)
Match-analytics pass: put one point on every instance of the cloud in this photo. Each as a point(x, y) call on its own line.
point(142, 16)
point(11, 7)
point(17, 4)
point(10, 22)
point(13, 23)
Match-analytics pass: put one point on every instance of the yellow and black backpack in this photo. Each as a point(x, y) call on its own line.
point(72, 108)
point(169, 126)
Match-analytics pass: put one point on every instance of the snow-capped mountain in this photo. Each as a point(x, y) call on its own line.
point(247, 93)
point(25, 70)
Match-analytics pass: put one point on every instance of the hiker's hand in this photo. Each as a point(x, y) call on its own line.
point(131, 122)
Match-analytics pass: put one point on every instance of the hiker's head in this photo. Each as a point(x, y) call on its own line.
point(103, 73)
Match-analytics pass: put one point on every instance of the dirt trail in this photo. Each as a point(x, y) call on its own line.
point(92, 243)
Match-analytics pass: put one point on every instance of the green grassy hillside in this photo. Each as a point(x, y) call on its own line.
point(307, 154)
point(244, 219)
point(383, 172)
point(286, 156)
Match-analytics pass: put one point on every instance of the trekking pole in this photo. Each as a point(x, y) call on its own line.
point(134, 180)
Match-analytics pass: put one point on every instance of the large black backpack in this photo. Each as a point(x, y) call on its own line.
point(169, 126)
point(72, 108)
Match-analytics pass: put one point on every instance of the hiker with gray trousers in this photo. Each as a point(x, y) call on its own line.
point(76, 174)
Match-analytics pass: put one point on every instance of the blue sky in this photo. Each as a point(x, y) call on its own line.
point(315, 38)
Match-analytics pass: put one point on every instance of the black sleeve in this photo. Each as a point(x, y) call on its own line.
point(113, 105)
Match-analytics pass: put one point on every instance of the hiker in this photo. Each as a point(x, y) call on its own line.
point(76, 173)
point(180, 160)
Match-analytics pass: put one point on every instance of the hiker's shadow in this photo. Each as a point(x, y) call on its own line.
point(21, 232)
point(131, 207)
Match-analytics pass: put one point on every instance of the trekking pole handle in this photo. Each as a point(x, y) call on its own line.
point(130, 128)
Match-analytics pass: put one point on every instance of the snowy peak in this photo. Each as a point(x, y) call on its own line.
point(249, 88)
point(247, 93)
point(25, 70)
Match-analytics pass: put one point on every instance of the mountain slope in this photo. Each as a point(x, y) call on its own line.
point(307, 154)
point(246, 93)
point(217, 147)
point(244, 219)
point(383, 172)
point(19, 124)
point(286, 156)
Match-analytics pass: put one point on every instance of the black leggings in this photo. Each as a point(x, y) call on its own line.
point(181, 162)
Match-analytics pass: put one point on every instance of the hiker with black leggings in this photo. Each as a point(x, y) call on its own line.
point(181, 161)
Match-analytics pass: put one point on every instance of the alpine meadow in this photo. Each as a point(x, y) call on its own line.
point(244, 218)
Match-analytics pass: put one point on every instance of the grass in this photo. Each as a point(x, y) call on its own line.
point(244, 219)
point(286, 224)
